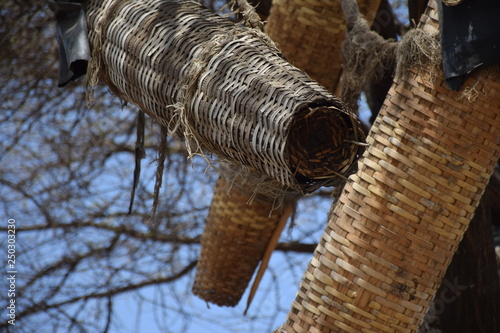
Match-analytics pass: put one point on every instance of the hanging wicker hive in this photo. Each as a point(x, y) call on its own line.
point(233, 243)
point(212, 282)
point(310, 156)
point(310, 33)
point(398, 222)
point(223, 87)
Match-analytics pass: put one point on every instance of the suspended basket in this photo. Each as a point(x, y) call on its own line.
point(223, 87)
point(308, 159)
point(400, 219)
point(308, 144)
point(236, 235)
point(310, 33)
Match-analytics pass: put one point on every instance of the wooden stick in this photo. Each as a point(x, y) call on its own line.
point(267, 254)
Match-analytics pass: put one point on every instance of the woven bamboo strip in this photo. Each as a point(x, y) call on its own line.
point(233, 243)
point(225, 88)
point(310, 33)
point(399, 221)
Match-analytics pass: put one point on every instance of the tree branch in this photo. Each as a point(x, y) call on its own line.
point(44, 306)
point(154, 236)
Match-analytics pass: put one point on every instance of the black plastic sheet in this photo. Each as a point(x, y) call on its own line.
point(470, 37)
point(74, 51)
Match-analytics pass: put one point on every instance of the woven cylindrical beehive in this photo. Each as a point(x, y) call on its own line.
point(225, 88)
point(233, 243)
point(310, 33)
point(399, 220)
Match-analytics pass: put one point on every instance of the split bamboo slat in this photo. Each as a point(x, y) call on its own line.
point(233, 243)
point(223, 87)
point(400, 219)
point(310, 33)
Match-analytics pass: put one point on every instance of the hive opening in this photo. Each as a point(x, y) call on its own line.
point(323, 144)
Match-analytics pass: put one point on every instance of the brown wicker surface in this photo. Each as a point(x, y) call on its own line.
point(310, 156)
point(398, 222)
point(225, 88)
point(233, 243)
point(310, 32)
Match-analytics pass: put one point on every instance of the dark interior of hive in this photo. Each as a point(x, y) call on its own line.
point(322, 145)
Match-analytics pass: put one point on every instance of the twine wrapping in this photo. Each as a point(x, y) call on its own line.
point(310, 33)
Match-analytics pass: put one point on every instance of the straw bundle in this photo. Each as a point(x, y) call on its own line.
point(223, 87)
point(233, 243)
point(310, 33)
point(398, 222)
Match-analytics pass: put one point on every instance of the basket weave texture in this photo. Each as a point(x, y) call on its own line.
point(399, 221)
point(233, 243)
point(223, 87)
point(310, 33)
